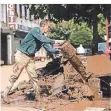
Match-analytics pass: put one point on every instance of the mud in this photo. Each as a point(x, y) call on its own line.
point(99, 65)
point(61, 104)
point(102, 66)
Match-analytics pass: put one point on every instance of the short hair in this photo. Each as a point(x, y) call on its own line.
point(44, 22)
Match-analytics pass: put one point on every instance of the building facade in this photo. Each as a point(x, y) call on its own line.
point(15, 23)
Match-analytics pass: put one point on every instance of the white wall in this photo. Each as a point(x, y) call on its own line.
point(10, 49)
point(3, 13)
point(17, 43)
point(22, 21)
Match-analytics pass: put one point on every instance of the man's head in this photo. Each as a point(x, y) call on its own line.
point(45, 25)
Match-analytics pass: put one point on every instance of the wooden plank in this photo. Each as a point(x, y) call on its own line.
point(69, 51)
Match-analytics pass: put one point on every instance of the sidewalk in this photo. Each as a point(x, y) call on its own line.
point(17, 109)
point(73, 106)
point(6, 71)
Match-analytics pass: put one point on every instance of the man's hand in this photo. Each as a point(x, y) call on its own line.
point(59, 41)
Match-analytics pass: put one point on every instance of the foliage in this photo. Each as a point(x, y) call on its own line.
point(101, 26)
point(80, 12)
point(59, 12)
point(60, 31)
point(75, 33)
point(81, 34)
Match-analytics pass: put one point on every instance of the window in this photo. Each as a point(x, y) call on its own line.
point(20, 10)
point(30, 14)
point(15, 9)
point(2, 12)
point(25, 12)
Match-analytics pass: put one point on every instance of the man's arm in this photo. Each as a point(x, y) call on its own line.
point(49, 48)
point(50, 39)
point(38, 35)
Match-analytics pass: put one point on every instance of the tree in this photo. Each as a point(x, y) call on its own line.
point(101, 26)
point(76, 33)
point(81, 34)
point(60, 31)
point(80, 13)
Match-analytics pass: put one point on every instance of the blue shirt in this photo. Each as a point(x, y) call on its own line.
point(34, 40)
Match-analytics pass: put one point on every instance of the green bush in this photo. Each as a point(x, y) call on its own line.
point(76, 33)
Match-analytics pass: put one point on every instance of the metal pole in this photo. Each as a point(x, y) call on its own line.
point(108, 51)
point(107, 43)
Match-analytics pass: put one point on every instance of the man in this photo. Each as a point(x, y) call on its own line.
point(24, 58)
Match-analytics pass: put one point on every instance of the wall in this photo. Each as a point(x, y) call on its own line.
point(23, 23)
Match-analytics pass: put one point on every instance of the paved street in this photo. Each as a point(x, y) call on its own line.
point(6, 71)
point(74, 106)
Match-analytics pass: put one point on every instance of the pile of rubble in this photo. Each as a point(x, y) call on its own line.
point(62, 81)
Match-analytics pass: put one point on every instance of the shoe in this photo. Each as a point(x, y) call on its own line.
point(37, 105)
point(37, 97)
point(6, 100)
point(40, 106)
